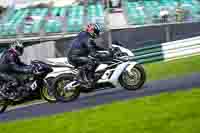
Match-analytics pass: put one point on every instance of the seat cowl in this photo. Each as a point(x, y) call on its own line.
point(58, 62)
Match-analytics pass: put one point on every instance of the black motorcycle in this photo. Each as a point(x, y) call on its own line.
point(30, 86)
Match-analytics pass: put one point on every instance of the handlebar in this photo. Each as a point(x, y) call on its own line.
point(114, 53)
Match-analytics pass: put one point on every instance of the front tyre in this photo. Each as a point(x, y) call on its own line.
point(47, 92)
point(59, 83)
point(133, 80)
point(3, 105)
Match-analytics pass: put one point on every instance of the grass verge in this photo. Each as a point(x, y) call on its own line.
point(175, 68)
point(167, 112)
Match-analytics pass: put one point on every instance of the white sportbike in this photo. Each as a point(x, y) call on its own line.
point(119, 71)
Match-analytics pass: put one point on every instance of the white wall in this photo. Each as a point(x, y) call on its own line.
point(39, 51)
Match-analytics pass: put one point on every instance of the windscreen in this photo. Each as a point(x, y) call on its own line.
point(103, 40)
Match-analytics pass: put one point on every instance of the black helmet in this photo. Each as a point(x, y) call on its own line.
point(17, 47)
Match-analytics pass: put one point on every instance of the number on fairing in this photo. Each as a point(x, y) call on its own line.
point(34, 85)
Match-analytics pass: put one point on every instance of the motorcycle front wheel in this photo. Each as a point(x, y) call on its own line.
point(133, 80)
point(3, 105)
point(58, 86)
point(47, 92)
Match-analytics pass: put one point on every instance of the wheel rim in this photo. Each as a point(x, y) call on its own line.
point(60, 88)
point(132, 78)
point(48, 94)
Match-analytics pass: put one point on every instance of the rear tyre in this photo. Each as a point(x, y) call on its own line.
point(58, 85)
point(133, 80)
point(3, 103)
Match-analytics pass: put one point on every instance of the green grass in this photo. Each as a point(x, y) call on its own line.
point(175, 68)
point(166, 113)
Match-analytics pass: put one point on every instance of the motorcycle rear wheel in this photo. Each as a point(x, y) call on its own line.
point(58, 86)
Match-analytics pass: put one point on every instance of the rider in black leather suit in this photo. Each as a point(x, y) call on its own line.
point(83, 46)
point(10, 63)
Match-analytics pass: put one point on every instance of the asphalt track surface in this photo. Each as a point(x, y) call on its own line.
point(102, 97)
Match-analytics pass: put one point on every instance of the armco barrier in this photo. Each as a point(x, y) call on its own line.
point(166, 51)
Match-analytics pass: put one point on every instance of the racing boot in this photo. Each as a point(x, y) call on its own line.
point(91, 79)
point(83, 79)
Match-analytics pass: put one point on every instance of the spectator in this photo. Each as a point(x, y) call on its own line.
point(2, 10)
point(105, 2)
point(180, 12)
point(164, 15)
point(81, 2)
point(115, 3)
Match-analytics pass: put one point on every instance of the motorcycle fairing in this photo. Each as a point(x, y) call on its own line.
point(112, 75)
